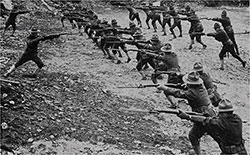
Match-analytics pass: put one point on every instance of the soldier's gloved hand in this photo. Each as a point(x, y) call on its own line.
point(183, 115)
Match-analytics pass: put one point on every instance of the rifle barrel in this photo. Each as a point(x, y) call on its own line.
point(168, 111)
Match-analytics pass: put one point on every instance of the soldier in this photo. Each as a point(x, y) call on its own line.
point(151, 14)
point(188, 11)
point(195, 27)
point(133, 14)
point(226, 128)
point(166, 20)
point(31, 52)
point(226, 23)
point(221, 36)
point(115, 46)
point(12, 19)
point(138, 36)
point(170, 65)
point(155, 17)
point(177, 21)
point(197, 97)
point(208, 83)
point(155, 45)
point(133, 28)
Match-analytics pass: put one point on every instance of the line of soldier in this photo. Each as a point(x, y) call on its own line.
point(196, 27)
point(82, 16)
point(199, 91)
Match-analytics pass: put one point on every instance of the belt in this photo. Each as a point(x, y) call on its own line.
point(232, 149)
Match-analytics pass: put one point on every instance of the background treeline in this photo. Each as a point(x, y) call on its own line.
point(215, 3)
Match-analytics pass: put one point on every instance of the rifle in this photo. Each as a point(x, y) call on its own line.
point(245, 32)
point(152, 85)
point(130, 42)
point(52, 36)
point(166, 72)
point(140, 86)
point(145, 51)
point(157, 111)
point(134, 42)
point(205, 18)
point(198, 33)
point(202, 33)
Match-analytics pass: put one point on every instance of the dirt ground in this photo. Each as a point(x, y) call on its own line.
point(77, 56)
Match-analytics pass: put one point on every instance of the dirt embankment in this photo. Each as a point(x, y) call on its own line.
point(73, 106)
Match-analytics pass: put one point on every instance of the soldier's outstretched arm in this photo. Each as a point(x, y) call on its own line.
point(35, 40)
point(193, 118)
point(180, 93)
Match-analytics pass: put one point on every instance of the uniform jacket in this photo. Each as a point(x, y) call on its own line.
point(170, 61)
point(226, 23)
point(221, 36)
point(197, 97)
point(227, 132)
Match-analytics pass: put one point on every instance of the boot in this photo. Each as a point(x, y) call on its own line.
point(221, 64)
point(244, 64)
point(143, 75)
point(12, 68)
point(154, 78)
point(171, 100)
point(191, 45)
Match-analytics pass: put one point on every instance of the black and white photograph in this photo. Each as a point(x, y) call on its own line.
point(125, 77)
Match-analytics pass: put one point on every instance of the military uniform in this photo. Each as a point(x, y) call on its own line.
point(228, 134)
point(196, 27)
point(221, 36)
point(226, 23)
point(198, 99)
point(208, 83)
point(153, 45)
point(12, 19)
point(146, 58)
point(133, 14)
point(31, 52)
point(166, 20)
point(177, 22)
point(211, 88)
point(225, 129)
